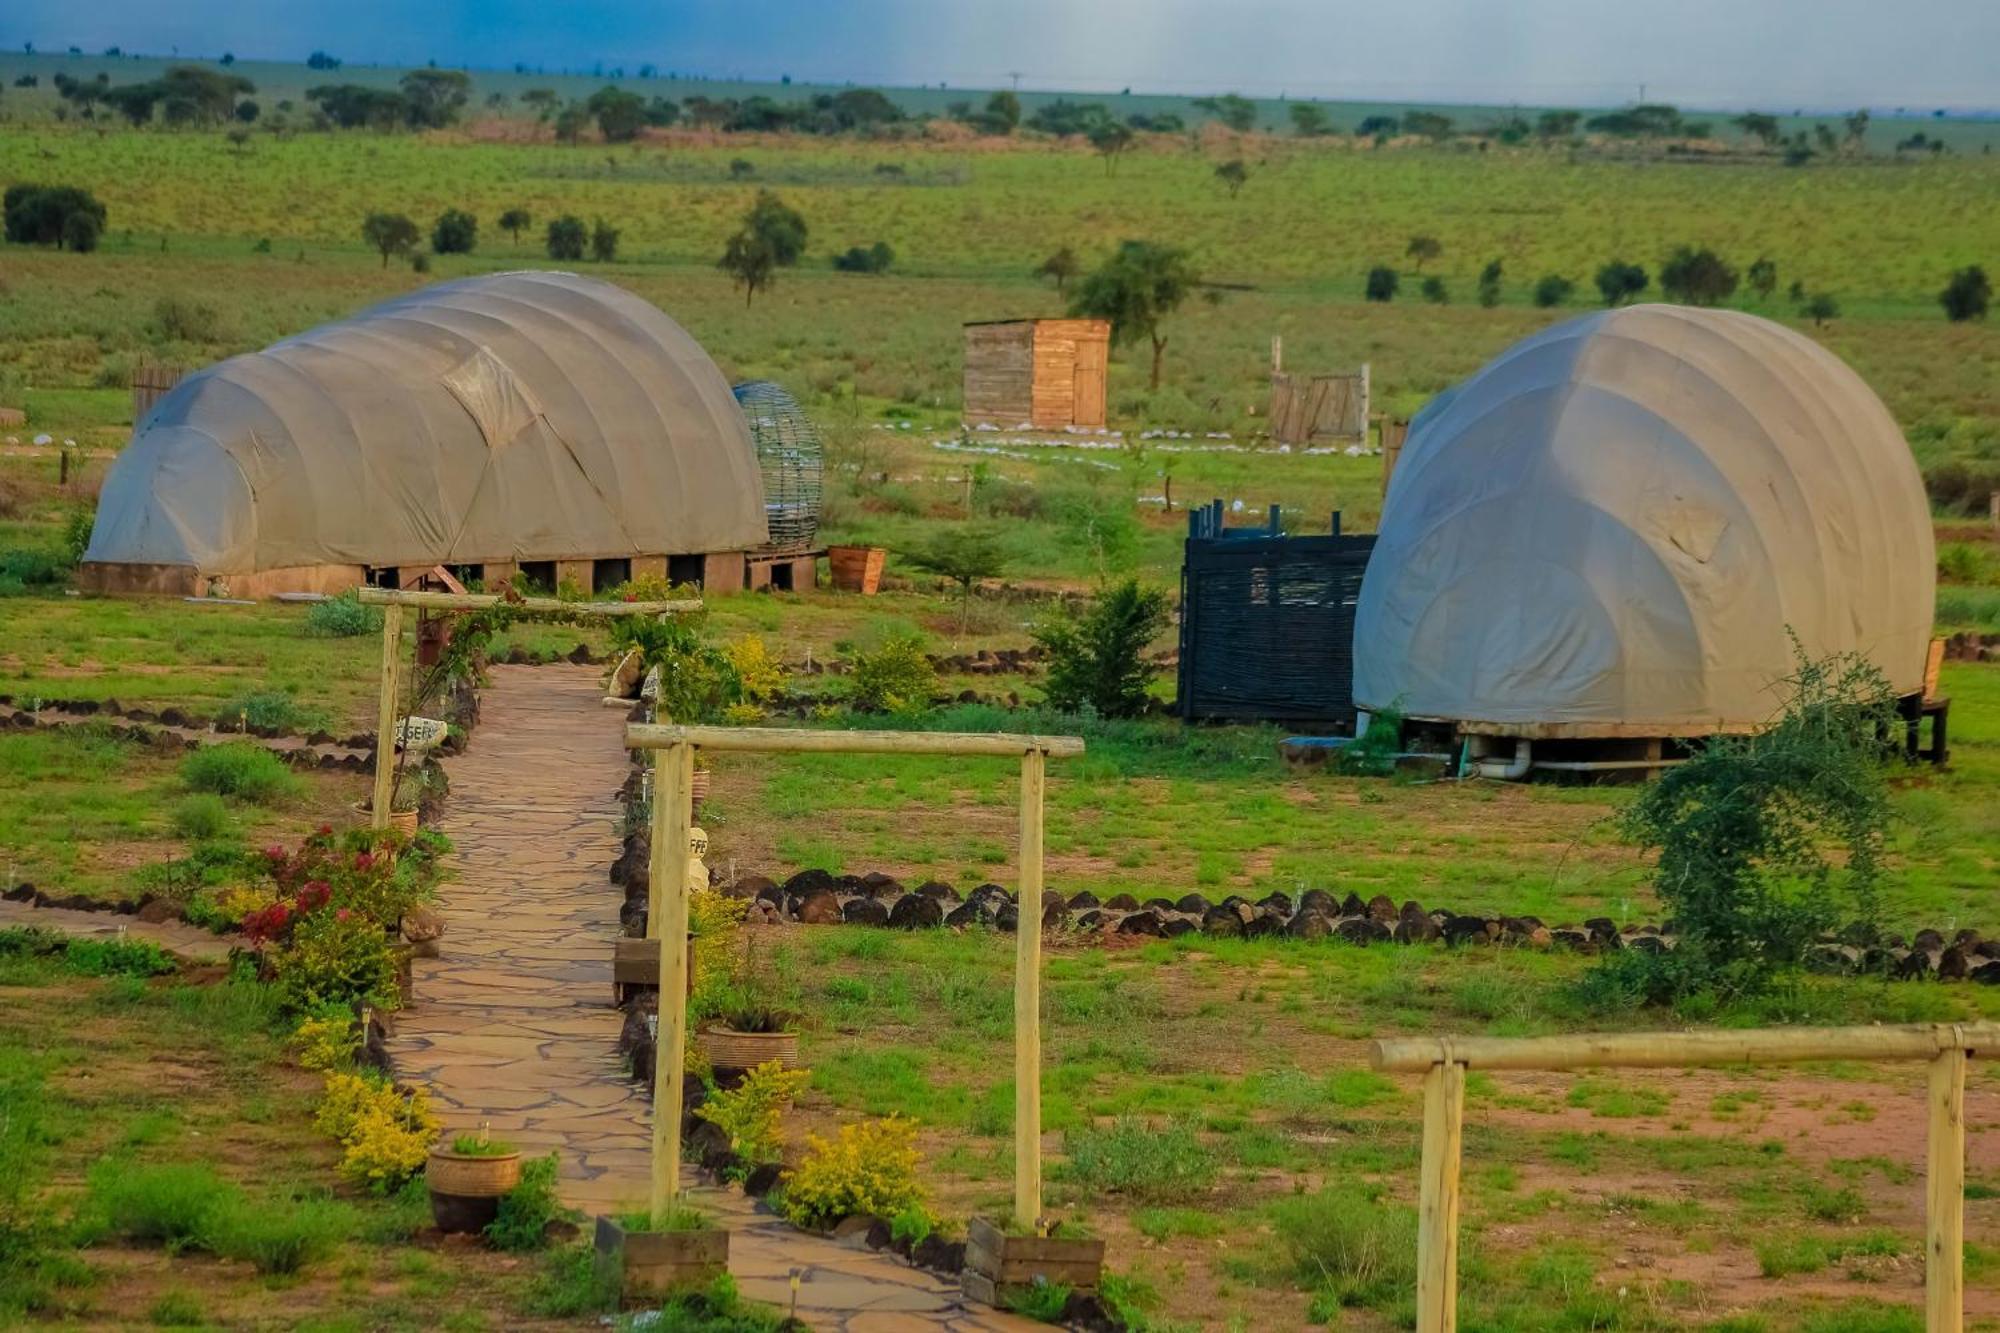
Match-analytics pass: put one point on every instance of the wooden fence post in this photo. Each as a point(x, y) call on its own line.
point(1028, 1000)
point(1437, 1206)
point(385, 716)
point(667, 920)
point(1944, 1196)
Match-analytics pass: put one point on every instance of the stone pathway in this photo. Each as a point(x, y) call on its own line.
point(513, 1025)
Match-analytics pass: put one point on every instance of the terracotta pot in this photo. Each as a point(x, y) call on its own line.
point(856, 568)
point(698, 791)
point(466, 1188)
point(726, 1048)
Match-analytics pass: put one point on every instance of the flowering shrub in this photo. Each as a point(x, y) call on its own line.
point(748, 1113)
point(760, 678)
point(387, 1134)
point(869, 1167)
point(327, 1043)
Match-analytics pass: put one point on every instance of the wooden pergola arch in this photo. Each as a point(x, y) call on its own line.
point(394, 601)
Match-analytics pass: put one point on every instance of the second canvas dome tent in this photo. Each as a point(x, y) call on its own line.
point(1616, 528)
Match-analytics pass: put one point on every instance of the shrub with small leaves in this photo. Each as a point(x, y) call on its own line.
point(1097, 660)
point(328, 1042)
point(749, 1112)
point(870, 1167)
point(386, 1134)
point(343, 617)
point(894, 677)
point(522, 1222)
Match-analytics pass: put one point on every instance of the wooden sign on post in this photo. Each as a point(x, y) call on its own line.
point(667, 904)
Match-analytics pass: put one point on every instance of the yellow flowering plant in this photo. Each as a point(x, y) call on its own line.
point(386, 1133)
point(749, 1113)
point(870, 1167)
point(327, 1043)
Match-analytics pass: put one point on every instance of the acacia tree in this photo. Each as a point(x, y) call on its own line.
point(1422, 248)
point(965, 555)
point(1233, 174)
point(515, 221)
point(1061, 266)
point(1110, 138)
point(1619, 281)
point(772, 236)
point(390, 233)
point(1137, 287)
point(1697, 277)
point(1967, 295)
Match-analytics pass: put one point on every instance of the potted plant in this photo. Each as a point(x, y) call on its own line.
point(856, 568)
point(743, 1023)
point(467, 1179)
point(653, 1254)
point(1003, 1259)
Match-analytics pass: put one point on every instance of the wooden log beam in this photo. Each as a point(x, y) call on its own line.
point(1412, 1055)
point(1437, 1198)
point(1028, 1000)
point(1944, 1196)
point(385, 717)
point(471, 601)
point(789, 740)
point(667, 923)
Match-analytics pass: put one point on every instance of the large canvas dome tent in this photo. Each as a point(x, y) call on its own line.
point(1613, 529)
point(518, 419)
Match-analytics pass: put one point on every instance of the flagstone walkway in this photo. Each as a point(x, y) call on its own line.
point(513, 1026)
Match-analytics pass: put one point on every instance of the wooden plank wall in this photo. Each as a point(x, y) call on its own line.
point(150, 384)
point(999, 373)
point(1309, 408)
point(1062, 346)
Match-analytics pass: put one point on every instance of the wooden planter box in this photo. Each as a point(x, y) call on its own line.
point(726, 1048)
point(466, 1190)
point(856, 568)
point(635, 966)
point(652, 1264)
point(996, 1263)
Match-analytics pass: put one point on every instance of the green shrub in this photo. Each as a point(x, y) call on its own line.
point(527, 1209)
point(1143, 1162)
point(573, 1284)
point(177, 1309)
point(168, 1203)
point(336, 958)
point(248, 772)
point(1964, 562)
point(25, 568)
point(895, 677)
point(1356, 1246)
point(343, 617)
point(1043, 1301)
point(1097, 661)
point(1372, 754)
point(277, 1237)
point(269, 710)
point(201, 816)
point(117, 958)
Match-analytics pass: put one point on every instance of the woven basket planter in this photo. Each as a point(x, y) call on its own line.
point(725, 1048)
point(403, 821)
point(466, 1189)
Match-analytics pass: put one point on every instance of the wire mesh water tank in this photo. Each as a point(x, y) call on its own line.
point(791, 455)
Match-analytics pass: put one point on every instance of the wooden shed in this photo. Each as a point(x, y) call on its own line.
point(1048, 373)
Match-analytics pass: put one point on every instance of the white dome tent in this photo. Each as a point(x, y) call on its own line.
point(1614, 528)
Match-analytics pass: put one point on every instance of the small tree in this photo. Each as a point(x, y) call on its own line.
point(1382, 283)
point(874, 258)
point(1233, 174)
point(1552, 289)
point(515, 221)
point(389, 233)
point(1239, 113)
point(1762, 275)
point(1489, 284)
point(1309, 120)
point(1110, 139)
point(80, 232)
point(1618, 281)
point(619, 114)
point(1967, 295)
point(566, 237)
point(1097, 660)
point(1743, 828)
point(1061, 266)
point(1138, 287)
point(772, 236)
point(1422, 248)
point(1697, 277)
point(1761, 127)
point(965, 555)
point(455, 232)
point(1819, 308)
point(603, 242)
point(1435, 291)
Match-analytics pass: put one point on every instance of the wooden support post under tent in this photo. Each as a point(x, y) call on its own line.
point(673, 760)
point(394, 601)
point(1444, 1062)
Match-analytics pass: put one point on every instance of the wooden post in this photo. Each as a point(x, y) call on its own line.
point(1437, 1206)
point(1277, 353)
point(667, 920)
point(385, 716)
point(1944, 1196)
point(1362, 412)
point(1028, 1000)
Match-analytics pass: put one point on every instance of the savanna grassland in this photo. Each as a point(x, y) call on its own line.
point(1206, 1103)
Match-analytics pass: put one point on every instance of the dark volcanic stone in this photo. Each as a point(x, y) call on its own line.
point(1176, 927)
point(1083, 898)
point(819, 908)
point(1319, 900)
point(864, 912)
point(1417, 929)
point(1161, 905)
point(1276, 902)
point(936, 1253)
point(1090, 920)
point(1360, 930)
point(1055, 909)
point(757, 886)
point(1309, 925)
point(1263, 923)
point(1007, 918)
point(1467, 930)
point(939, 890)
point(1193, 902)
point(878, 885)
point(1140, 923)
point(1383, 908)
point(914, 911)
point(808, 880)
point(965, 914)
point(762, 1179)
point(1122, 902)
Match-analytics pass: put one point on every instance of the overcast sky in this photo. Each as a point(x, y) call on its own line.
point(1775, 54)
